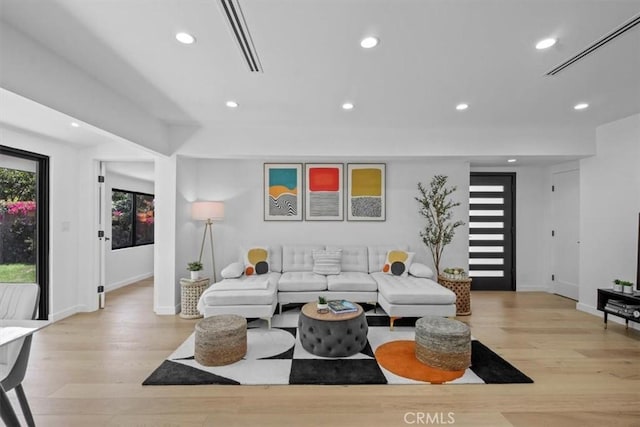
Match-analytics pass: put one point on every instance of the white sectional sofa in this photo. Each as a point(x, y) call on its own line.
point(291, 279)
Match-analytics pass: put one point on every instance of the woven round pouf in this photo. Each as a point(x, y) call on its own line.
point(221, 340)
point(443, 343)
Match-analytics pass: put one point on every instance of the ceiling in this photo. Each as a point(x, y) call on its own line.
point(432, 56)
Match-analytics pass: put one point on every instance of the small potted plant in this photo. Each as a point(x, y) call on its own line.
point(617, 285)
point(455, 273)
point(322, 305)
point(194, 267)
point(627, 287)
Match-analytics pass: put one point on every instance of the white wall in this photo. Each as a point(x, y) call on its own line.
point(127, 265)
point(239, 183)
point(530, 212)
point(64, 213)
point(35, 72)
point(609, 207)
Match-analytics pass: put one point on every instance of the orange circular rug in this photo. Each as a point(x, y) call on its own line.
point(399, 357)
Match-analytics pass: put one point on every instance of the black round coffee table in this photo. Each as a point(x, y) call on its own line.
point(332, 335)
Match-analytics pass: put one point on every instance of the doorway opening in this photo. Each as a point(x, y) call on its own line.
point(24, 221)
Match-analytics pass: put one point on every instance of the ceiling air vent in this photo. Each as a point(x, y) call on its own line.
point(596, 45)
point(232, 11)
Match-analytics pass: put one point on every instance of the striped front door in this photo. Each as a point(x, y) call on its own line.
point(492, 231)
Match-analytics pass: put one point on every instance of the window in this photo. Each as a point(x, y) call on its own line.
point(132, 218)
point(24, 221)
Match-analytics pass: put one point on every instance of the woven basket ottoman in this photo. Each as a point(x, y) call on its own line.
point(221, 340)
point(443, 343)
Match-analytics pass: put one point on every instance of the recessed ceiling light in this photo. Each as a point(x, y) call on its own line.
point(545, 44)
point(581, 106)
point(185, 38)
point(512, 160)
point(461, 107)
point(75, 125)
point(369, 42)
point(232, 104)
point(347, 106)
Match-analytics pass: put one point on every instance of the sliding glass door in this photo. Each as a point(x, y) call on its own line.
point(24, 221)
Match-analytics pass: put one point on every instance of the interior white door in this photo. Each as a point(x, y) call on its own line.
point(565, 213)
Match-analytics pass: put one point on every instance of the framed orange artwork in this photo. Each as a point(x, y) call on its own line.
point(324, 195)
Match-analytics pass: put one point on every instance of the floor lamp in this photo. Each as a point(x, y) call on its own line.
point(209, 212)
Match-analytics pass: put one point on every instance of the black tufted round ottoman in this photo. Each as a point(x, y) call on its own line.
point(332, 335)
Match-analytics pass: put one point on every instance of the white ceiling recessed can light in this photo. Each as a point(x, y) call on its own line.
point(75, 124)
point(461, 107)
point(232, 104)
point(347, 106)
point(185, 38)
point(545, 44)
point(581, 106)
point(369, 42)
point(512, 160)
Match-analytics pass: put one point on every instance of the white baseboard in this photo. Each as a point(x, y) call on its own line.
point(113, 286)
point(531, 288)
point(167, 310)
point(54, 317)
point(588, 309)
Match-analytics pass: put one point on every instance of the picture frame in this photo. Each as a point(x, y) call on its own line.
point(282, 193)
point(324, 192)
point(366, 192)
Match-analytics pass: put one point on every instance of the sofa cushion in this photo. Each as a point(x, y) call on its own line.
point(412, 290)
point(233, 270)
point(420, 270)
point(351, 281)
point(378, 255)
point(256, 260)
point(327, 262)
point(354, 258)
point(398, 263)
point(237, 292)
point(300, 281)
point(298, 258)
point(275, 255)
point(255, 282)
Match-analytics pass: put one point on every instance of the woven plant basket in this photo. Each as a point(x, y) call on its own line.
point(462, 289)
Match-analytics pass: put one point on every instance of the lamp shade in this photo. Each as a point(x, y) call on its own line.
point(207, 210)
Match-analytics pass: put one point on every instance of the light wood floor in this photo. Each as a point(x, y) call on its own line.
point(86, 370)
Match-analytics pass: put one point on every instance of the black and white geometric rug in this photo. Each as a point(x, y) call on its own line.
point(275, 356)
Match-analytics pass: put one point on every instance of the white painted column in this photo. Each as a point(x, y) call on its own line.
point(166, 295)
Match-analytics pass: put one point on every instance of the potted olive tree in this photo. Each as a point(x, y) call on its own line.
point(437, 208)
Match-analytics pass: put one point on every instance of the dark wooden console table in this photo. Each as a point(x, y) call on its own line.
point(604, 295)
